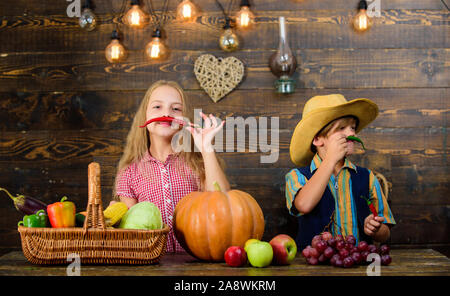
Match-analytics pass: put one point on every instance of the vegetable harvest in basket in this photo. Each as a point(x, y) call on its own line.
point(103, 246)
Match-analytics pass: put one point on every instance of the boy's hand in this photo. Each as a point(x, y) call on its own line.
point(337, 147)
point(372, 224)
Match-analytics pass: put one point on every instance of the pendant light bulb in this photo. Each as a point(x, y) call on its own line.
point(155, 49)
point(187, 11)
point(115, 52)
point(228, 41)
point(361, 21)
point(87, 20)
point(135, 17)
point(245, 17)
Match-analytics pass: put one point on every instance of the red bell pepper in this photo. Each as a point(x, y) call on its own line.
point(61, 214)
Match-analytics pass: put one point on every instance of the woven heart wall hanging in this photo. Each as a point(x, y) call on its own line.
point(218, 76)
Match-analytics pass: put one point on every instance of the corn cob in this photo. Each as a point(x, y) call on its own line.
point(114, 213)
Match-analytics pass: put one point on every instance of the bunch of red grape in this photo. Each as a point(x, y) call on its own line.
point(342, 252)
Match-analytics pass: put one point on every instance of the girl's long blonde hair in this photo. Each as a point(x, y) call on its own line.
point(138, 139)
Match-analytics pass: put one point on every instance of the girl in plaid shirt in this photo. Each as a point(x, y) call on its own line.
point(151, 170)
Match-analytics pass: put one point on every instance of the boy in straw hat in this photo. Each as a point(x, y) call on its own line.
point(327, 189)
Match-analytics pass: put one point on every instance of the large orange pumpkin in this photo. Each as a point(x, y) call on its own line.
point(207, 223)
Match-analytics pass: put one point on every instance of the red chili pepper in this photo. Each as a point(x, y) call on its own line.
point(371, 206)
point(163, 119)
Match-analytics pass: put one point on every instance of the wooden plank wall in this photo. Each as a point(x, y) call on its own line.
point(62, 105)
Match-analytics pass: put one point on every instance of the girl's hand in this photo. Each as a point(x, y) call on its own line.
point(372, 224)
point(203, 136)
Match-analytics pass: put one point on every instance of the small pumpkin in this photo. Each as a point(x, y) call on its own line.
point(207, 223)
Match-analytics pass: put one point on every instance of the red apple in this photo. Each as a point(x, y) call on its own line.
point(284, 249)
point(235, 256)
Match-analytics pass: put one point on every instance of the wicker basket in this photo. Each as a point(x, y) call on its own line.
point(94, 243)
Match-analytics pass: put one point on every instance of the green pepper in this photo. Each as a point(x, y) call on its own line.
point(353, 138)
point(36, 220)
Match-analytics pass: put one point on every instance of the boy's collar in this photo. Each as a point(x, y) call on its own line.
point(316, 161)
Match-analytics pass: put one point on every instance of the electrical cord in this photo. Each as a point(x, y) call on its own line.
point(226, 15)
point(163, 12)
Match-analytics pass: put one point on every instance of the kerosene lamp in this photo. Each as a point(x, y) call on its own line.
point(283, 63)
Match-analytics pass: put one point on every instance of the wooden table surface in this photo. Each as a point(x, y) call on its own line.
point(405, 262)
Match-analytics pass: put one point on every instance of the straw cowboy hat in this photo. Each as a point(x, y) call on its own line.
point(317, 113)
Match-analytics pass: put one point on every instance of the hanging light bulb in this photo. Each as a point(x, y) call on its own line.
point(186, 11)
point(135, 17)
point(361, 21)
point(244, 18)
point(228, 41)
point(115, 52)
point(283, 63)
point(87, 20)
point(155, 49)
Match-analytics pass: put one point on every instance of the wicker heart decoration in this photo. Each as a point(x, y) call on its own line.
point(218, 76)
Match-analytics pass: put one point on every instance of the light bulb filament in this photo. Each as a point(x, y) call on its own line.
point(187, 11)
point(155, 51)
point(363, 21)
point(115, 52)
point(245, 19)
point(135, 18)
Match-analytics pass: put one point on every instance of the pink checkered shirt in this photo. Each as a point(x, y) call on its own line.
point(162, 183)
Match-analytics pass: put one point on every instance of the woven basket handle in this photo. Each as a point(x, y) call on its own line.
point(94, 216)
